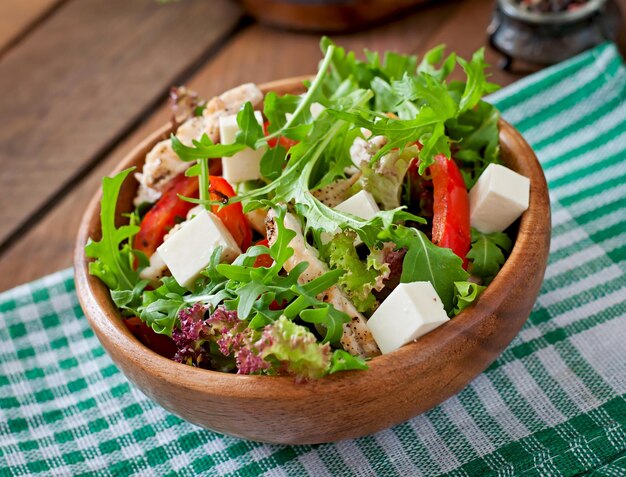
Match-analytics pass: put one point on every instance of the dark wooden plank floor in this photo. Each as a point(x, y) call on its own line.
point(210, 50)
point(20, 17)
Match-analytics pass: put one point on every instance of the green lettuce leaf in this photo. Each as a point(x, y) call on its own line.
point(295, 349)
point(343, 361)
point(465, 293)
point(360, 278)
point(384, 179)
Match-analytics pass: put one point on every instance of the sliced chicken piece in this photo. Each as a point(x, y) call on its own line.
point(162, 164)
point(335, 193)
point(228, 103)
point(155, 271)
point(356, 339)
point(191, 129)
point(362, 150)
point(183, 102)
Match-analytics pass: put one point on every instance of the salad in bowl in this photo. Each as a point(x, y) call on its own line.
point(305, 234)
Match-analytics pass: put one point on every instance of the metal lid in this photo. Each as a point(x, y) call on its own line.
point(513, 10)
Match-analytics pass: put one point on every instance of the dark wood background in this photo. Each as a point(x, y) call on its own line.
point(83, 81)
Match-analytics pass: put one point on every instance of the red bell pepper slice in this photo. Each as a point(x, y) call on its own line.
point(266, 261)
point(263, 260)
point(171, 209)
point(451, 222)
point(231, 215)
point(167, 212)
point(281, 140)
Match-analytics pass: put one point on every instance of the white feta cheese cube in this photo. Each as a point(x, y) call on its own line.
point(498, 198)
point(412, 310)
point(361, 204)
point(245, 165)
point(187, 252)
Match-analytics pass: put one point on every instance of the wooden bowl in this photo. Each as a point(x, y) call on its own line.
point(326, 15)
point(397, 386)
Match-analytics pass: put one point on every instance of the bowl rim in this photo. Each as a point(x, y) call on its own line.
point(513, 10)
point(103, 316)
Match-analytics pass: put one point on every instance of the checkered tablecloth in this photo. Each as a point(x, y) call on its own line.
point(552, 404)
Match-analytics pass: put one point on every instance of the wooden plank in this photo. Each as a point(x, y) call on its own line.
point(18, 16)
point(256, 54)
point(77, 83)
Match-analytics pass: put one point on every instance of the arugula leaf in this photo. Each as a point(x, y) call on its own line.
point(344, 65)
point(425, 261)
point(294, 127)
point(396, 65)
point(427, 90)
point(433, 58)
point(250, 131)
point(307, 293)
point(343, 361)
point(465, 293)
point(129, 299)
point(334, 159)
point(114, 257)
point(275, 109)
point(204, 149)
point(331, 319)
point(487, 254)
point(477, 85)
point(248, 294)
point(476, 134)
point(160, 307)
point(272, 162)
point(280, 251)
point(400, 133)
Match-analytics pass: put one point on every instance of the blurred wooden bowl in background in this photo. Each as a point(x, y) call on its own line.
point(325, 15)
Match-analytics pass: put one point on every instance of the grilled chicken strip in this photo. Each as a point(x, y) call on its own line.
point(336, 192)
point(162, 164)
point(356, 339)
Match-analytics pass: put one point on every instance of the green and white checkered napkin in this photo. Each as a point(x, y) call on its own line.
point(553, 404)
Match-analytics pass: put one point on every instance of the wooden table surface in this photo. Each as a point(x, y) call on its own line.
point(83, 81)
